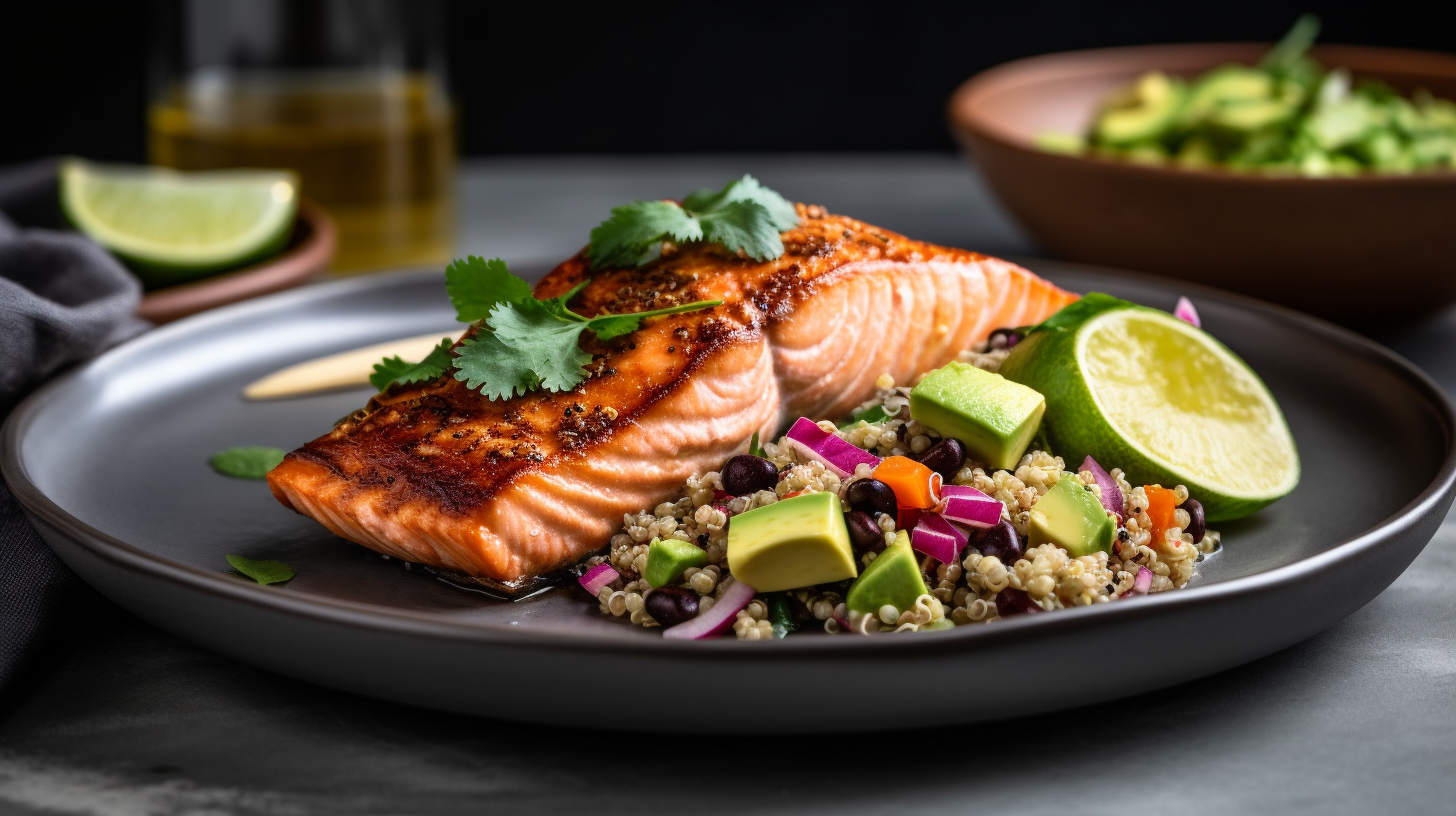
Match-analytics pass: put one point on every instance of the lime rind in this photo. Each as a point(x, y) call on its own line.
point(1076, 424)
point(179, 225)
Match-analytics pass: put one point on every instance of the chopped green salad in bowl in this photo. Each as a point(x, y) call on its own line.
point(1071, 463)
point(1287, 114)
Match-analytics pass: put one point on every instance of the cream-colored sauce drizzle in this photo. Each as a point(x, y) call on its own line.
point(347, 369)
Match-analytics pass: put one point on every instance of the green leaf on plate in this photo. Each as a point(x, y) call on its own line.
point(246, 462)
point(264, 572)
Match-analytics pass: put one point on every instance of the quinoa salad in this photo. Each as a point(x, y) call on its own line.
point(972, 569)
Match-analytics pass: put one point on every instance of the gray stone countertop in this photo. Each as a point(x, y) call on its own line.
point(124, 718)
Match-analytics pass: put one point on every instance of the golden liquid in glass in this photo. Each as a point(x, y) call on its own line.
point(377, 152)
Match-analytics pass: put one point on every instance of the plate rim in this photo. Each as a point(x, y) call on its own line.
point(402, 621)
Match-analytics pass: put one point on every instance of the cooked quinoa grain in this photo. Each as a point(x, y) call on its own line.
point(962, 593)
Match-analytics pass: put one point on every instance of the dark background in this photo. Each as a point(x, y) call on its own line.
point(685, 77)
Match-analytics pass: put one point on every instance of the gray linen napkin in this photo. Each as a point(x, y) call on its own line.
point(63, 299)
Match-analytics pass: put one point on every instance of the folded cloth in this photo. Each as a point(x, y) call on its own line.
point(63, 299)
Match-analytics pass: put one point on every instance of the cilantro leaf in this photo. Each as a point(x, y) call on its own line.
point(872, 414)
point(782, 213)
point(543, 342)
point(605, 327)
point(392, 370)
point(486, 365)
point(264, 572)
point(247, 462)
point(632, 235)
point(743, 216)
point(475, 287)
point(743, 226)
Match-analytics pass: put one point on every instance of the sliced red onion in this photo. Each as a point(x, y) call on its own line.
point(938, 539)
point(967, 505)
point(598, 577)
point(1111, 493)
point(907, 517)
point(838, 456)
point(1185, 312)
point(1141, 584)
point(716, 619)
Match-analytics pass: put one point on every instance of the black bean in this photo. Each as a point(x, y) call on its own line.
point(744, 474)
point(1003, 339)
point(1000, 541)
point(870, 496)
point(1011, 601)
point(864, 533)
point(670, 606)
point(1197, 524)
point(945, 457)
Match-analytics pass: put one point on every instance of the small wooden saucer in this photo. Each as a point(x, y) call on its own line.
point(309, 253)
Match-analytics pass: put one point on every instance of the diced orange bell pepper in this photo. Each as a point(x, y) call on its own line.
point(915, 485)
point(1161, 504)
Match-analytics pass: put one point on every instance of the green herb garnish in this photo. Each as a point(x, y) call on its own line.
point(872, 414)
point(392, 370)
point(1284, 58)
point(742, 217)
point(247, 462)
point(522, 343)
point(754, 449)
point(264, 572)
point(476, 286)
point(781, 615)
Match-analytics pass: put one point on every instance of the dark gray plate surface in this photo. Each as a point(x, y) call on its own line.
point(111, 463)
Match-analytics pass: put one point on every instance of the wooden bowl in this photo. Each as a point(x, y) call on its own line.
point(310, 251)
point(1367, 249)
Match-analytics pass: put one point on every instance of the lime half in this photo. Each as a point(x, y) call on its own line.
point(1139, 389)
point(172, 226)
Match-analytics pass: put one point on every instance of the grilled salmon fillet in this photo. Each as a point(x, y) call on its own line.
point(507, 490)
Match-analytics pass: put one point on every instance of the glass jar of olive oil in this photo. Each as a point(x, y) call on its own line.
point(349, 94)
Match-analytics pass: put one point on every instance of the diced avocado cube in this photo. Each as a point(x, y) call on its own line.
point(893, 578)
point(668, 558)
point(992, 415)
point(1231, 84)
point(792, 543)
point(1071, 517)
point(1142, 111)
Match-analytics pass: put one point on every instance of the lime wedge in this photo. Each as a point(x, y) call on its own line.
point(1139, 389)
point(172, 226)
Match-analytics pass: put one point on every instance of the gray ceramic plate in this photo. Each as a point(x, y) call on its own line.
point(111, 463)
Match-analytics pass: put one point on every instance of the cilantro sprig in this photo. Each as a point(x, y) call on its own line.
point(522, 343)
point(742, 217)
